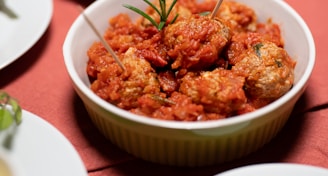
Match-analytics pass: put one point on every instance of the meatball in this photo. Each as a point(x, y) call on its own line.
point(268, 69)
point(245, 40)
point(196, 42)
point(123, 88)
point(219, 91)
point(239, 43)
point(239, 16)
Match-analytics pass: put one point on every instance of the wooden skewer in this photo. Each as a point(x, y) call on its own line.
point(216, 8)
point(106, 45)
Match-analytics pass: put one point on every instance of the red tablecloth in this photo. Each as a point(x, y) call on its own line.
point(40, 82)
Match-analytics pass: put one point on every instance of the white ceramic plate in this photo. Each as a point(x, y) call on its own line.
point(42, 150)
point(20, 34)
point(277, 169)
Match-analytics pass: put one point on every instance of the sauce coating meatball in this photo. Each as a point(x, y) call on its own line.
point(239, 16)
point(123, 88)
point(268, 69)
point(196, 42)
point(219, 91)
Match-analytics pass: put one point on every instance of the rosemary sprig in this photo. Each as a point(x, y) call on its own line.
point(162, 12)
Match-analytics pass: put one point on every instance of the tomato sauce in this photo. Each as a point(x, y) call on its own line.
point(197, 68)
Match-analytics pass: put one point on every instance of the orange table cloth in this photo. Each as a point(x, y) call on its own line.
point(40, 82)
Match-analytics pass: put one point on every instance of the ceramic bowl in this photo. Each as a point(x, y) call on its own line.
point(189, 143)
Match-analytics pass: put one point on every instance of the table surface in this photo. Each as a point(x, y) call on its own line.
point(40, 82)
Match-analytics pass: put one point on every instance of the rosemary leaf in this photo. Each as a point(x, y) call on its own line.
point(175, 18)
point(161, 12)
point(140, 12)
point(204, 13)
point(162, 100)
point(162, 4)
point(257, 48)
point(153, 6)
point(161, 25)
point(171, 7)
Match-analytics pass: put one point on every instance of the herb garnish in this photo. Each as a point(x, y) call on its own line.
point(162, 100)
point(257, 48)
point(161, 12)
point(205, 13)
point(279, 64)
point(10, 116)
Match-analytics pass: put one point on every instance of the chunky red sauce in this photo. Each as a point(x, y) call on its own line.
point(195, 69)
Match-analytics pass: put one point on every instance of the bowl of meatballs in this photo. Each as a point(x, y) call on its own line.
point(179, 83)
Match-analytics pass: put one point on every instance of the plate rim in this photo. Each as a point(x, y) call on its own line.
point(261, 168)
point(46, 19)
point(16, 152)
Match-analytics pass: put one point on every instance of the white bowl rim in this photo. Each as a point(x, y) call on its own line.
point(244, 118)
